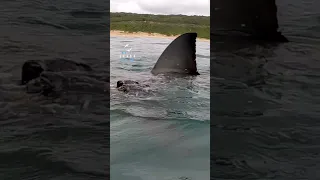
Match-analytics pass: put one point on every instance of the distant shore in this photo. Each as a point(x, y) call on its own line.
point(159, 26)
point(115, 33)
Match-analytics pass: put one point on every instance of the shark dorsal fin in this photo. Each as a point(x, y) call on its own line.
point(179, 57)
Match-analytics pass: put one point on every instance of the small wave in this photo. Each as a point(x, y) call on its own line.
point(89, 14)
point(39, 21)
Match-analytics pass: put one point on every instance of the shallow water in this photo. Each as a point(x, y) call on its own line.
point(265, 102)
point(163, 134)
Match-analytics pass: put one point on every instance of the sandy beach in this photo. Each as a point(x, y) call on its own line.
point(144, 34)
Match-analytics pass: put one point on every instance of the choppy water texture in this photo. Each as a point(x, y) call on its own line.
point(41, 138)
point(164, 132)
point(265, 102)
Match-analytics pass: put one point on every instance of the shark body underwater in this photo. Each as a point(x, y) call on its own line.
point(44, 76)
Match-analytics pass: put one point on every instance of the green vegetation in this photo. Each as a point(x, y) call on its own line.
point(162, 24)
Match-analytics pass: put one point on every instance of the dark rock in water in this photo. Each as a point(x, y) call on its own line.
point(33, 68)
point(47, 83)
point(129, 85)
point(125, 82)
point(53, 77)
point(55, 83)
point(249, 19)
point(39, 84)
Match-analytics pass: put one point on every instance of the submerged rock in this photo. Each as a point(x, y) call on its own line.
point(32, 69)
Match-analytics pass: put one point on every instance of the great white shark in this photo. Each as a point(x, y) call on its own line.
point(179, 58)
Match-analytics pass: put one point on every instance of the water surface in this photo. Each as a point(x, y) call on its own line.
point(42, 138)
point(265, 102)
point(163, 134)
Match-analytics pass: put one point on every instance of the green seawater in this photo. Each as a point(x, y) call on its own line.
point(164, 134)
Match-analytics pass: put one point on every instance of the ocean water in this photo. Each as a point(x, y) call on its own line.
point(164, 131)
point(265, 102)
point(42, 138)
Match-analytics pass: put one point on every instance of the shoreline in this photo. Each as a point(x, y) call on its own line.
point(117, 33)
